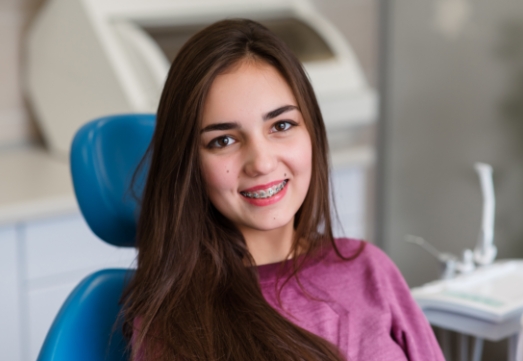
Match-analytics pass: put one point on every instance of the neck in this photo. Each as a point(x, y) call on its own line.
point(270, 246)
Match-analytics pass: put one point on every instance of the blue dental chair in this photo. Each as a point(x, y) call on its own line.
point(104, 156)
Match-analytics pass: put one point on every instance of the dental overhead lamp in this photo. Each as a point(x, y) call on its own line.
point(90, 58)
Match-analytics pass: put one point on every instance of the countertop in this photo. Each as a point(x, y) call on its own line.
point(34, 185)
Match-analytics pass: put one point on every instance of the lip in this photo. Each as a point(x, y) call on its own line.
point(261, 202)
point(263, 186)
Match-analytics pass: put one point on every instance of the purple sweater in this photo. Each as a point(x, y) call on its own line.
point(363, 305)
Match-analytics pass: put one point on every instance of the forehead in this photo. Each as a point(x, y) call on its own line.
point(248, 90)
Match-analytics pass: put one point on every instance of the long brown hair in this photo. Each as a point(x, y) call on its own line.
point(196, 290)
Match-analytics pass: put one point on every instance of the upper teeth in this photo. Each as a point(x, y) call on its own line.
point(266, 193)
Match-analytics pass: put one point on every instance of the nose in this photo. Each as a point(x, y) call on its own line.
point(261, 158)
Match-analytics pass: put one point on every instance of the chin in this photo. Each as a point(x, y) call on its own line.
point(268, 224)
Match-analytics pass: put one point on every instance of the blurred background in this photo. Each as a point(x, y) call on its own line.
point(448, 80)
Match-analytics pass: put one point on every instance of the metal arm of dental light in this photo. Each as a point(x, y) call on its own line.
point(450, 263)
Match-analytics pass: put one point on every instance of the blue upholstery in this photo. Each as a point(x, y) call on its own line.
point(83, 329)
point(104, 156)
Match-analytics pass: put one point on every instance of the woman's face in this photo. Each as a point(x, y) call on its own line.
point(256, 153)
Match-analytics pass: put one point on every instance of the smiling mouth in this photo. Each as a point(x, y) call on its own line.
point(266, 193)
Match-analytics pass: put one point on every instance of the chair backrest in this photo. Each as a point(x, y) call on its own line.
point(104, 156)
point(85, 328)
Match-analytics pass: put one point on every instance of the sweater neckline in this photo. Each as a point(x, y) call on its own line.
point(271, 272)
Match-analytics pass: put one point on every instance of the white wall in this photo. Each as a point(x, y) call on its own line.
point(447, 90)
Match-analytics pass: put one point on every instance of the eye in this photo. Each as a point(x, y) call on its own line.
point(221, 142)
point(283, 126)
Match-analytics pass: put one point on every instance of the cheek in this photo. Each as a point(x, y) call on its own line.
point(300, 159)
point(219, 174)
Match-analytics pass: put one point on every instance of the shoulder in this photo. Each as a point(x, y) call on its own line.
point(379, 290)
point(363, 251)
point(359, 266)
point(369, 260)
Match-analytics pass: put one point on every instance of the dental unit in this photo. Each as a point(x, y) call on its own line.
point(475, 296)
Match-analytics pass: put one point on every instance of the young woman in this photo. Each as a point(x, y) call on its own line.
point(236, 255)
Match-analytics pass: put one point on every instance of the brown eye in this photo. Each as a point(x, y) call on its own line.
point(221, 142)
point(282, 126)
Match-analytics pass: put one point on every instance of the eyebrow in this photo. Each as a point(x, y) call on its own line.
point(233, 125)
point(274, 113)
point(220, 126)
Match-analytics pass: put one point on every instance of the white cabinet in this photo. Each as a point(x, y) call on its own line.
point(66, 245)
point(58, 254)
point(40, 264)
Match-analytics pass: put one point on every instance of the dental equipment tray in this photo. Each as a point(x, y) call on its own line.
point(492, 293)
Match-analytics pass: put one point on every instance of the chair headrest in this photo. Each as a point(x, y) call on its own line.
point(105, 154)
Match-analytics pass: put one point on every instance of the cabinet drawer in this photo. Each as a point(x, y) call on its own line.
point(9, 296)
point(65, 244)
